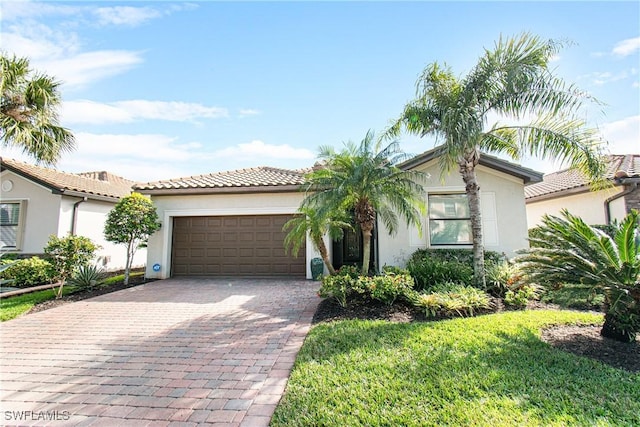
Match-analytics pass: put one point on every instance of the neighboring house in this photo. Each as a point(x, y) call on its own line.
point(569, 189)
point(37, 202)
point(230, 223)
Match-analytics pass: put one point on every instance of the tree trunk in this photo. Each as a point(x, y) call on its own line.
point(365, 217)
point(472, 188)
point(127, 266)
point(366, 247)
point(324, 253)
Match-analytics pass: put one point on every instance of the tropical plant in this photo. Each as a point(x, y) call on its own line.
point(568, 250)
point(131, 221)
point(316, 224)
point(68, 254)
point(87, 276)
point(453, 300)
point(512, 80)
point(364, 179)
point(28, 112)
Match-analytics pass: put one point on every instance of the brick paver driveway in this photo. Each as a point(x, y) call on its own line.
point(171, 352)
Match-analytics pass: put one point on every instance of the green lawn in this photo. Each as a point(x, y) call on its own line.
point(485, 371)
point(12, 307)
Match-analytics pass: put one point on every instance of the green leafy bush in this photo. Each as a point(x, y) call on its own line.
point(453, 300)
point(29, 272)
point(433, 267)
point(385, 288)
point(68, 254)
point(520, 296)
point(336, 286)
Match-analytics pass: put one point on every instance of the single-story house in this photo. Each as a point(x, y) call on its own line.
point(37, 202)
point(230, 223)
point(569, 189)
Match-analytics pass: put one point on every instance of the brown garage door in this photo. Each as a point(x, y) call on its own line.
point(243, 245)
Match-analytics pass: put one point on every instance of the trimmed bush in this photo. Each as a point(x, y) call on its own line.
point(29, 272)
point(453, 300)
point(385, 288)
point(433, 267)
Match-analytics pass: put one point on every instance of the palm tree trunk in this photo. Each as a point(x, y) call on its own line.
point(324, 253)
point(472, 189)
point(366, 247)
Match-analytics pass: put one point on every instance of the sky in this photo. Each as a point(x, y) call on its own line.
point(160, 90)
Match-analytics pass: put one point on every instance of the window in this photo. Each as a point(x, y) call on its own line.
point(449, 220)
point(10, 215)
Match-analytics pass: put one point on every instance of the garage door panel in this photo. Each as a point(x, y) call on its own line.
point(242, 245)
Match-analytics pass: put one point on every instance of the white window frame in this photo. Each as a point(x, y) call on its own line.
point(22, 209)
point(430, 218)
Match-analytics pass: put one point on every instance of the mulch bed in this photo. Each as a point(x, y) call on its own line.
point(583, 341)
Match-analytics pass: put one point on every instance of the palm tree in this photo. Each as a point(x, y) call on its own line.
point(28, 112)
point(365, 180)
point(512, 80)
point(314, 222)
point(567, 250)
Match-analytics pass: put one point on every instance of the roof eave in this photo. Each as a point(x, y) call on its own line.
point(219, 190)
point(527, 175)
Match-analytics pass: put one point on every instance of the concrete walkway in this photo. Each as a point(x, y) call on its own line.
point(176, 352)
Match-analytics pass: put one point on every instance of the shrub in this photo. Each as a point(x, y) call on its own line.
point(338, 287)
point(453, 300)
point(520, 296)
point(29, 272)
point(433, 267)
point(385, 288)
point(501, 277)
point(68, 254)
point(87, 276)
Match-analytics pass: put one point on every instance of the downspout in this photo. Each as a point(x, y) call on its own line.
point(74, 217)
point(607, 203)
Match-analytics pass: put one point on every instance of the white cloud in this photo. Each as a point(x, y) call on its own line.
point(627, 47)
point(85, 111)
point(258, 150)
point(125, 15)
point(147, 147)
point(245, 112)
point(85, 68)
point(173, 111)
point(623, 135)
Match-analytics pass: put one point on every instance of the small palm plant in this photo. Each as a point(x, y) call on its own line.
point(317, 224)
point(567, 250)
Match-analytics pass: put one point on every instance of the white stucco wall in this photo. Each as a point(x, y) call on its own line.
point(503, 210)
point(42, 211)
point(589, 206)
point(90, 222)
point(159, 250)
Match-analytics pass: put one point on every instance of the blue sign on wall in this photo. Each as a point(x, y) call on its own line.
point(156, 267)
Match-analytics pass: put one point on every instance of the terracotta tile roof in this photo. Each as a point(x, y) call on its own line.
point(571, 180)
point(262, 176)
point(97, 184)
